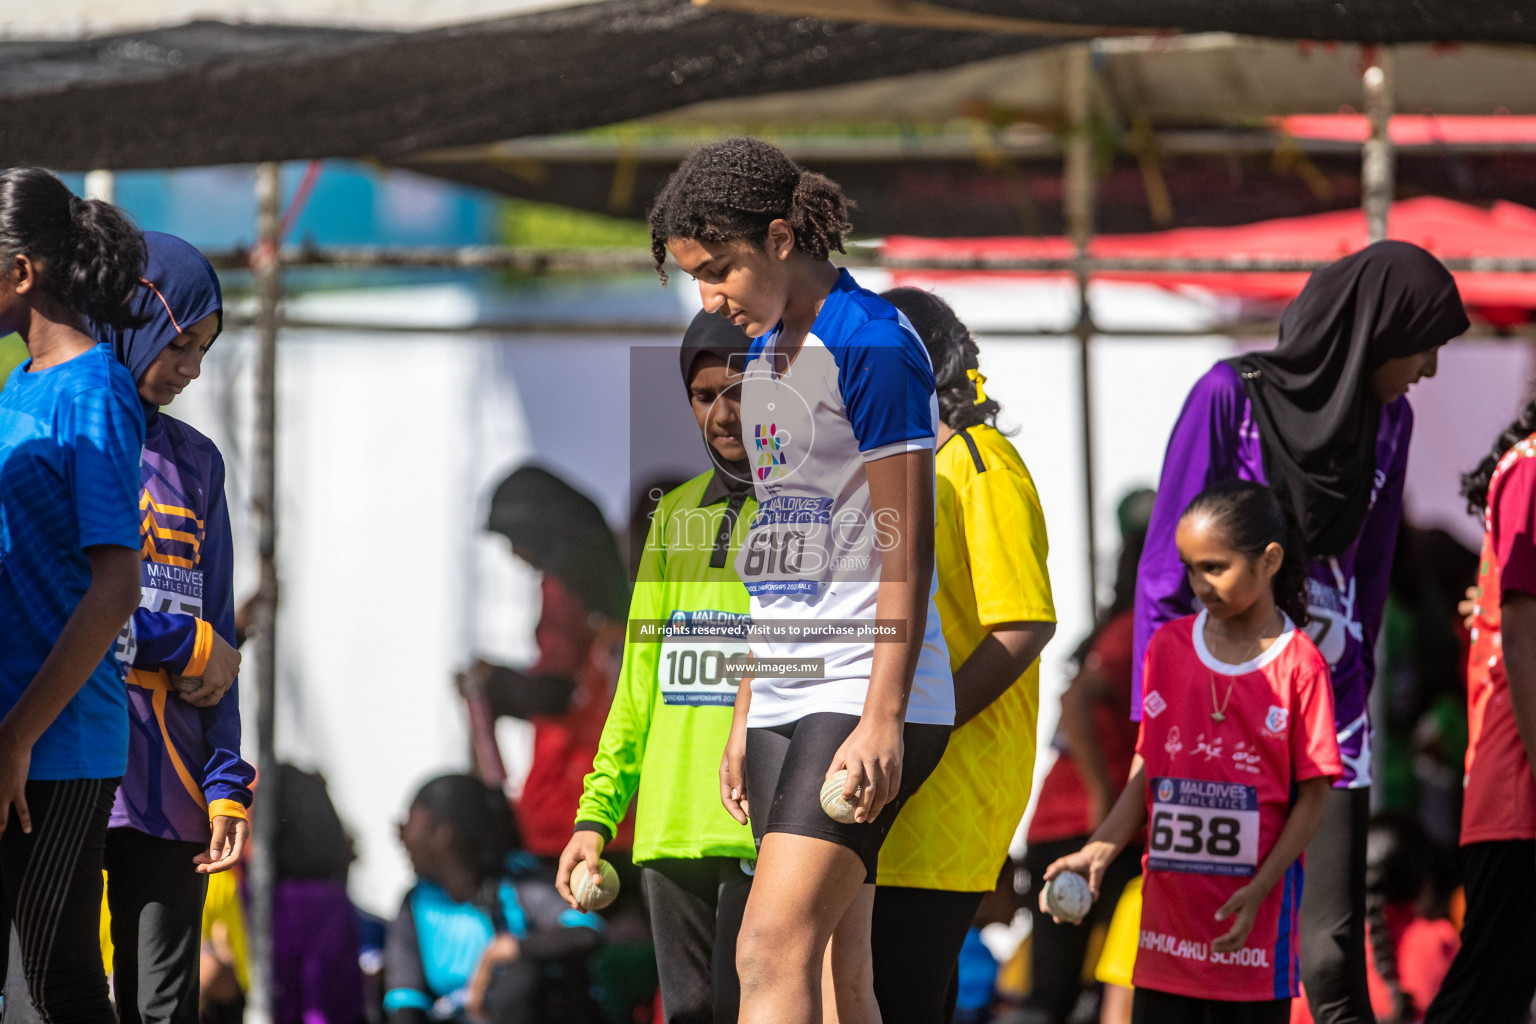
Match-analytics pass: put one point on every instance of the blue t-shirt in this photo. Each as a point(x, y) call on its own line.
point(70, 441)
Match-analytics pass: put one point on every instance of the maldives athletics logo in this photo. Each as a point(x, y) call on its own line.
point(769, 442)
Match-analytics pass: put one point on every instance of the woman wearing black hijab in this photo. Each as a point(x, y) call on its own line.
point(1322, 419)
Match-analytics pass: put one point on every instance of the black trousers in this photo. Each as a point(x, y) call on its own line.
point(50, 883)
point(1057, 951)
point(1493, 977)
point(696, 908)
point(916, 935)
point(1149, 1006)
point(1333, 964)
point(156, 899)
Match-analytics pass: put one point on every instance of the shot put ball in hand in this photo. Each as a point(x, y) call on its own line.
point(837, 808)
point(592, 895)
point(1068, 897)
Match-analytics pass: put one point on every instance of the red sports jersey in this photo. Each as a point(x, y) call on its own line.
point(1500, 801)
point(1218, 795)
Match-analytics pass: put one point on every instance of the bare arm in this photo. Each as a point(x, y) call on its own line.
point(1088, 688)
point(1306, 815)
point(901, 496)
point(83, 642)
point(514, 694)
point(1518, 630)
point(733, 779)
point(1003, 655)
point(1128, 815)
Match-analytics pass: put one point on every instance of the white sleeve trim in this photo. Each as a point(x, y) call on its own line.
point(885, 451)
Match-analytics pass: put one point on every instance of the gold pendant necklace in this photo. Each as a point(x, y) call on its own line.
point(1219, 714)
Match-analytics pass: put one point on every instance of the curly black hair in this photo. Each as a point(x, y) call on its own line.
point(1474, 485)
point(1251, 517)
point(89, 255)
point(954, 354)
point(736, 188)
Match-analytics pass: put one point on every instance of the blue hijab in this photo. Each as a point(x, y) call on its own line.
point(178, 289)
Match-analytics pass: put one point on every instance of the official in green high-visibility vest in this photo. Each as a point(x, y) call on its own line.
point(671, 713)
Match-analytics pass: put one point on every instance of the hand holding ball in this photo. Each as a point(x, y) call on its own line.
point(837, 808)
point(1068, 897)
point(592, 895)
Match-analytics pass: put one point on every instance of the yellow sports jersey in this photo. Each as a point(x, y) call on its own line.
point(1118, 960)
point(990, 547)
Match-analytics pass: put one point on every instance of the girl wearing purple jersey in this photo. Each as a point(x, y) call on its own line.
point(838, 414)
point(180, 813)
point(1321, 418)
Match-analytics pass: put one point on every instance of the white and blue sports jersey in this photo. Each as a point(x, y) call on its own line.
point(860, 388)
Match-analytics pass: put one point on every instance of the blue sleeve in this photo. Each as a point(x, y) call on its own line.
point(1378, 543)
point(165, 640)
point(887, 386)
point(226, 776)
point(105, 432)
point(1199, 453)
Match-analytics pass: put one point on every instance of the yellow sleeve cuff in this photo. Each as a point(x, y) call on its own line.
point(228, 809)
point(202, 650)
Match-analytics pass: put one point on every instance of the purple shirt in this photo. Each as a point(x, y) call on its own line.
point(1216, 439)
point(181, 759)
point(316, 975)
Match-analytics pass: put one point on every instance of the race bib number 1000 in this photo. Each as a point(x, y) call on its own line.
point(1203, 827)
point(694, 650)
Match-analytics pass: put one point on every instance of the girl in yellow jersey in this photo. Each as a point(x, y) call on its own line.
point(994, 601)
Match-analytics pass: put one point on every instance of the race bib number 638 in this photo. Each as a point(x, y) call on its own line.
point(1203, 827)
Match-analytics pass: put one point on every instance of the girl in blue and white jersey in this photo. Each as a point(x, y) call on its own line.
point(838, 416)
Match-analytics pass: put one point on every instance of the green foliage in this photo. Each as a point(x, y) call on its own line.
point(547, 226)
point(12, 352)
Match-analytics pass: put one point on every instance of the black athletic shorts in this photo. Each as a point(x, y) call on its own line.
point(787, 764)
point(1149, 1006)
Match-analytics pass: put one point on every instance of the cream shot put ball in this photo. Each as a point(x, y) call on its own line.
point(1068, 897)
point(832, 800)
point(592, 895)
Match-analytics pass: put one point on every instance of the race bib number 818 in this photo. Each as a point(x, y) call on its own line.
point(1203, 827)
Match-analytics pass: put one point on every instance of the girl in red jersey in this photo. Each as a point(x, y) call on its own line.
point(1491, 979)
point(1233, 764)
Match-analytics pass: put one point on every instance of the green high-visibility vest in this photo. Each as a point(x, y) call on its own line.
point(671, 712)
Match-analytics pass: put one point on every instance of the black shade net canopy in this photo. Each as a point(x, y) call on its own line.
point(976, 149)
point(1358, 21)
point(211, 93)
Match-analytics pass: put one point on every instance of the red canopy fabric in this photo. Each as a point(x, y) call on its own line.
point(1446, 228)
point(1413, 130)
